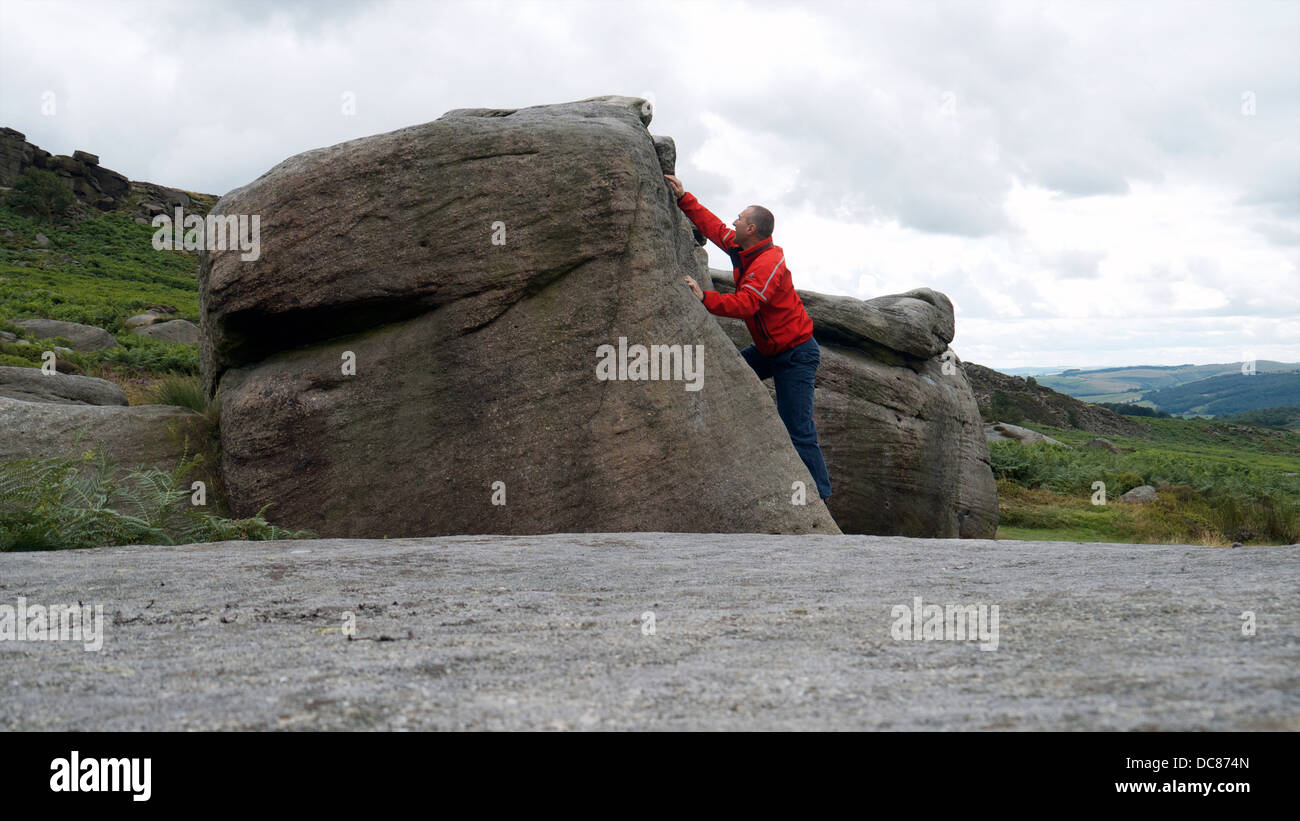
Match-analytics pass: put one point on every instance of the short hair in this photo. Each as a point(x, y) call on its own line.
point(763, 221)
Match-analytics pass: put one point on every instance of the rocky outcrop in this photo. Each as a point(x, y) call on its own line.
point(91, 183)
point(415, 350)
point(82, 337)
point(895, 416)
point(34, 385)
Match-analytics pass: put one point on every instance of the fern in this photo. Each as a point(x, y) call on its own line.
point(83, 500)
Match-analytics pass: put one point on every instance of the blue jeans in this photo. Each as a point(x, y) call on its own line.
point(792, 372)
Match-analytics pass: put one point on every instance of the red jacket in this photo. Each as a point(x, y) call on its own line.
point(765, 297)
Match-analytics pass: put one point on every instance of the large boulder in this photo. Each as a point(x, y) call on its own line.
point(896, 418)
point(35, 385)
point(473, 268)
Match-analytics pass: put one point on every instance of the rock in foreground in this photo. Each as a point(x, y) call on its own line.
point(749, 633)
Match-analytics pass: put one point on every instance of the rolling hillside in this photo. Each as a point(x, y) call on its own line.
point(1231, 393)
point(1129, 384)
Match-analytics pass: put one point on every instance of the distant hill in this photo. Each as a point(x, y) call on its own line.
point(1005, 398)
point(1038, 371)
point(1230, 393)
point(1129, 384)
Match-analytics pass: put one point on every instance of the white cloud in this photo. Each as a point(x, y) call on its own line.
point(1080, 178)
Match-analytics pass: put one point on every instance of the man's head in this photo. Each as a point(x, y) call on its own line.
point(754, 225)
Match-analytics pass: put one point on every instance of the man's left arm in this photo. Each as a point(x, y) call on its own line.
point(750, 295)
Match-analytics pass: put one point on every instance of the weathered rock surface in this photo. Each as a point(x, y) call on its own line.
point(34, 385)
point(134, 436)
point(82, 337)
point(898, 427)
point(473, 266)
point(750, 633)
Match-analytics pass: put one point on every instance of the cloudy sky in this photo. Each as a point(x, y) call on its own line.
point(1092, 184)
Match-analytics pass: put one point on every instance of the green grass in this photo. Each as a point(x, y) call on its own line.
point(1218, 485)
point(182, 391)
point(98, 269)
point(83, 499)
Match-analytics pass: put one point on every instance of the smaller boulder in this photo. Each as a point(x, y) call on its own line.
point(1140, 495)
point(140, 320)
point(82, 337)
point(34, 385)
point(1103, 444)
point(176, 330)
point(1003, 432)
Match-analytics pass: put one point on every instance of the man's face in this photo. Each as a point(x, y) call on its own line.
point(742, 224)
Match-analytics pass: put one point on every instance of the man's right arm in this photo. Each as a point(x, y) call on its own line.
point(709, 225)
point(704, 219)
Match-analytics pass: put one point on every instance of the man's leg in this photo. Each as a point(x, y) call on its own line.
point(794, 401)
point(761, 364)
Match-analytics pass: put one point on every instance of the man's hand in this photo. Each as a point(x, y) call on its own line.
point(695, 286)
point(676, 185)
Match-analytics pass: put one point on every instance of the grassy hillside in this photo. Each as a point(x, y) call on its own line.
point(1219, 483)
point(98, 270)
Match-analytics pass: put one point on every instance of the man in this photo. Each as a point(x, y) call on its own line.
point(784, 348)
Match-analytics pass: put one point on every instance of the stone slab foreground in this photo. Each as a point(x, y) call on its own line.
point(751, 632)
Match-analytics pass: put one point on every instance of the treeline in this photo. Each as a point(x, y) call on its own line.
point(1286, 416)
point(1231, 393)
point(1132, 410)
